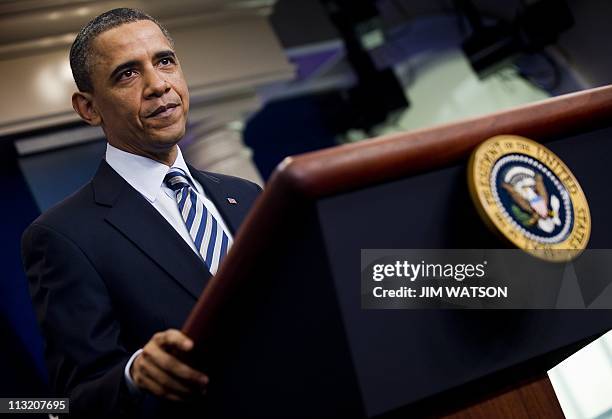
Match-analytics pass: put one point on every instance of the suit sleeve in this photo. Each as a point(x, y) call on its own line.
point(82, 336)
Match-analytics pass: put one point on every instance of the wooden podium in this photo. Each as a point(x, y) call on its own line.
point(280, 327)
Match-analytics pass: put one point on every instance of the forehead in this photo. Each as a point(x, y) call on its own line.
point(127, 42)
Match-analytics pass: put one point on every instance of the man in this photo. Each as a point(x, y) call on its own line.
point(115, 268)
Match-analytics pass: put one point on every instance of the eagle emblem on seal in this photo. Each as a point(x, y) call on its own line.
point(532, 203)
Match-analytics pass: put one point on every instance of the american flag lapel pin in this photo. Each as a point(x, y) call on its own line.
point(232, 201)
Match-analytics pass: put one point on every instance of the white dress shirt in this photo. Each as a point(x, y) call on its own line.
point(147, 177)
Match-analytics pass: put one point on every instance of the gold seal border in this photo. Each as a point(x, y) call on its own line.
point(483, 159)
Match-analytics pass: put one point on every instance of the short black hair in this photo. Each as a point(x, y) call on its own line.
point(80, 51)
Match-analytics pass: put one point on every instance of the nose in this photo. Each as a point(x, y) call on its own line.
point(156, 84)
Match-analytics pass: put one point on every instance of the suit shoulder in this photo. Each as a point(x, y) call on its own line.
point(68, 210)
point(231, 180)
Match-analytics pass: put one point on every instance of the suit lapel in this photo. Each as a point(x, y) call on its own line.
point(143, 225)
point(219, 192)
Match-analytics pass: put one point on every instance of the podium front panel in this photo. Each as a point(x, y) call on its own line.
point(407, 355)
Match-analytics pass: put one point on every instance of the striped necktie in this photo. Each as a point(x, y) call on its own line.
point(209, 238)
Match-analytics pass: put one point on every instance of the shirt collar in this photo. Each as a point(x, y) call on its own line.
point(142, 173)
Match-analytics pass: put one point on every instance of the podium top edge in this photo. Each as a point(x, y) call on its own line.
point(346, 167)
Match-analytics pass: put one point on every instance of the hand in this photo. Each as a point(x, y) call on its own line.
point(157, 370)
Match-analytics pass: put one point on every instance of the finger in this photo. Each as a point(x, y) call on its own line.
point(173, 366)
point(173, 338)
point(145, 379)
point(166, 381)
point(149, 384)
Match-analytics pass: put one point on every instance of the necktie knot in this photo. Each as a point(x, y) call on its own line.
point(176, 179)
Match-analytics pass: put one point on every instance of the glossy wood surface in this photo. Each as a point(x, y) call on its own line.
point(534, 400)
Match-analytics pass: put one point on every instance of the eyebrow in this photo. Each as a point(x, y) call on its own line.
point(132, 63)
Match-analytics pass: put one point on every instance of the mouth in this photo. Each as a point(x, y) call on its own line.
point(163, 110)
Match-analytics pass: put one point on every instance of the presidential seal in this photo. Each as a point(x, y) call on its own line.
point(523, 191)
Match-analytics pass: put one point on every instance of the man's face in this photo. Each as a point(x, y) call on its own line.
point(138, 88)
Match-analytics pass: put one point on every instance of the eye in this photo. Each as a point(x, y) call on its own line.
point(126, 74)
point(166, 61)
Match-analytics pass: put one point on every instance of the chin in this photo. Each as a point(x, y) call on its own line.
point(171, 135)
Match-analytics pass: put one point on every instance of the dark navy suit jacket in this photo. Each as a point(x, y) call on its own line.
point(106, 272)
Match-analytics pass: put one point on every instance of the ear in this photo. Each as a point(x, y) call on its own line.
point(82, 103)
